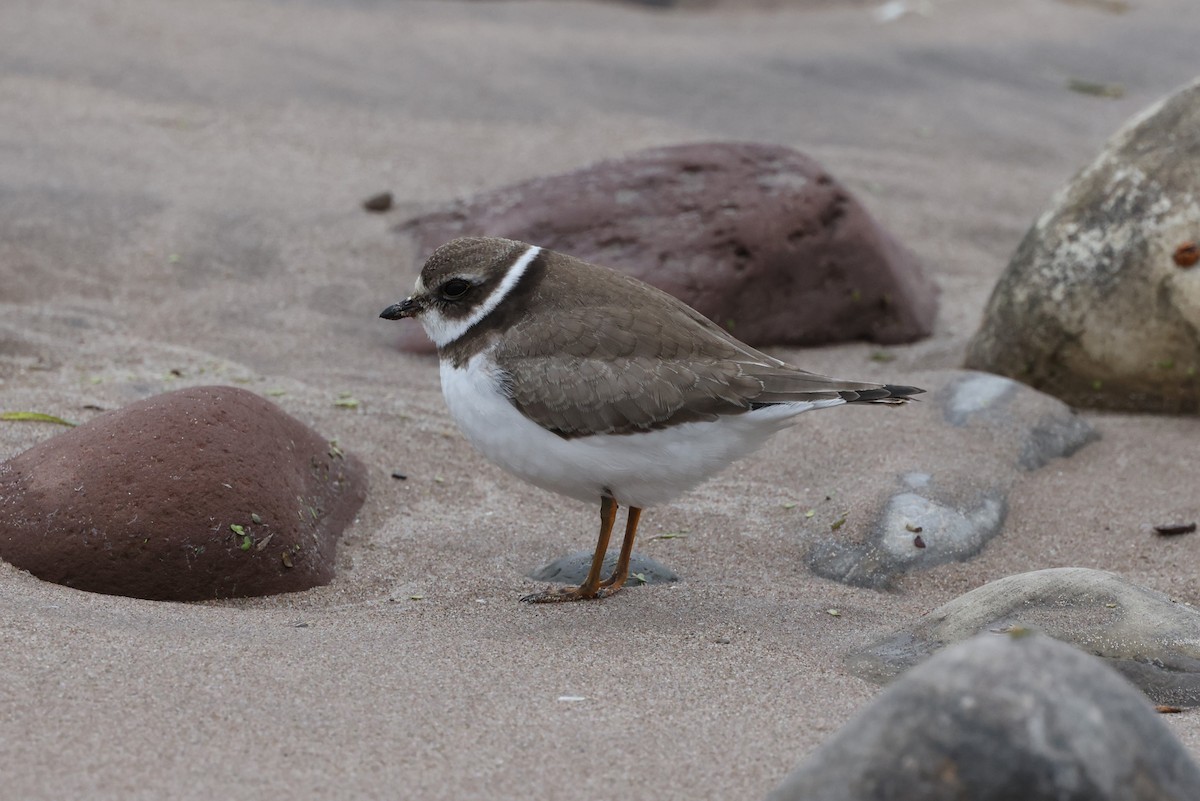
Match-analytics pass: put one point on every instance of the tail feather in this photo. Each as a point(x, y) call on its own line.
point(888, 393)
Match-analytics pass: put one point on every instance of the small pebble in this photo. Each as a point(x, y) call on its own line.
point(1171, 529)
point(378, 203)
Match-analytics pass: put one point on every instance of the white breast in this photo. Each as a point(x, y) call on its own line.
point(643, 469)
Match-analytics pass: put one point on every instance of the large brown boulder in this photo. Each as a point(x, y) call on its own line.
point(207, 492)
point(759, 238)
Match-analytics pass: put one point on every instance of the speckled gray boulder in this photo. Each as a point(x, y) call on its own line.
point(1152, 640)
point(1001, 718)
point(1100, 305)
point(759, 238)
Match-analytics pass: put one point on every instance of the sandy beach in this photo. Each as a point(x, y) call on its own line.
point(180, 190)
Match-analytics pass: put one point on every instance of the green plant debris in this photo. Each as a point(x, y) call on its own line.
point(416, 597)
point(255, 519)
point(1165, 364)
point(346, 401)
point(1112, 91)
point(1097, 385)
point(833, 612)
point(789, 505)
point(1111, 6)
point(237, 529)
point(836, 524)
point(810, 513)
point(855, 295)
point(883, 356)
point(334, 451)
point(641, 578)
point(275, 393)
point(174, 258)
point(35, 417)
point(247, 541)
point(671, 535)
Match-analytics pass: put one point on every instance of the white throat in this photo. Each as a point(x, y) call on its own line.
point(443, 330)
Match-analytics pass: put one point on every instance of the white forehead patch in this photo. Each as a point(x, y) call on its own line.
point(443, 331)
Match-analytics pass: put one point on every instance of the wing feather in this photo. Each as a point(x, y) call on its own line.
point(613, 371)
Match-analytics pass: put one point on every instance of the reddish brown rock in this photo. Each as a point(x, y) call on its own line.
point(760, 239)
point(208, 492)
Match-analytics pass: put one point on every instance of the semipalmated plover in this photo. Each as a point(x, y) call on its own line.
point(589, 383)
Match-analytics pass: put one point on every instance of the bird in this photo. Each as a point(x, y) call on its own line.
point(589, 383)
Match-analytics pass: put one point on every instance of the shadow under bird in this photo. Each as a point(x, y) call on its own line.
point(589, 383)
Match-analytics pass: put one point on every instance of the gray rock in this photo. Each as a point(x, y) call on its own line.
point(988, 399)
point(573, 569)
point(1152, 640)
point(912, 532)
point(936, 516)
point(999, 718)
point(759, 238)
point(1100, 305)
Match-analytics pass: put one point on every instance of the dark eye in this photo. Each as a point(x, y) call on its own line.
point(455, 288)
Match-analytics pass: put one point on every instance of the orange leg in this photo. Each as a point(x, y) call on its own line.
point(621, 573)
point(590, 588)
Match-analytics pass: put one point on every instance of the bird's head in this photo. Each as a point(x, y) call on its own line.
point(461, 283)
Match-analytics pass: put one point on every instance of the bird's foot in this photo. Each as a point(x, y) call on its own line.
point(555, 595)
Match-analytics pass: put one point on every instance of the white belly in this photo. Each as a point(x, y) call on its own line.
point(643, 469)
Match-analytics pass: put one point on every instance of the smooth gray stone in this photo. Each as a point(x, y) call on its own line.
point(998, 430)
point(988, 400)
point(947, 534)
point(573, 569)
point(1001, 718)
point(1152, 640)
point(1055, 436)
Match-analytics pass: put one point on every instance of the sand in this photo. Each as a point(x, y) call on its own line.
point(179, 190)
